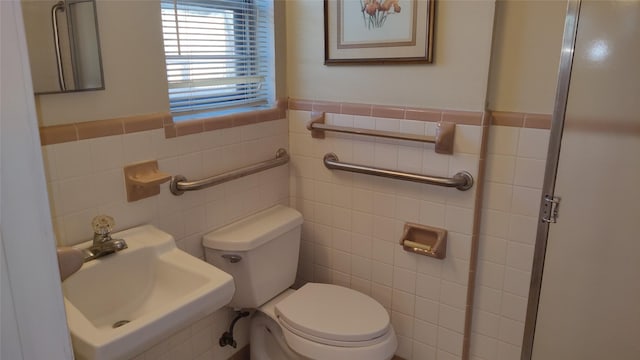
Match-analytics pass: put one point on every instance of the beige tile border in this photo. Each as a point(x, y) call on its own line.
point(387, 112)
point(297, 104)
point(463, 117)
point(326, 106)
point(50, 135)
point(537, 121)
point(95, 129)
point(145, 123)
point(356, 109)
point(612, 125)
point(507, 119)
point(422, 114)
point(391, 112)
point(524, 120)
point(58, 134)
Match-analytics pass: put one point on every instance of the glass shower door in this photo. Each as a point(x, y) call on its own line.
point(589, 305)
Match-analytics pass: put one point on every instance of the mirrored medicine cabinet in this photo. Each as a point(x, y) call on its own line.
point(63, 45)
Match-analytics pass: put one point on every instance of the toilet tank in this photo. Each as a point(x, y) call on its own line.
point(260, 252)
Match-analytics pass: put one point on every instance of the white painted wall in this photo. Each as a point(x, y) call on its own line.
point(457, 79)
point(10, 338)
point(31, 278)
point(525, 56)
point(133, 64)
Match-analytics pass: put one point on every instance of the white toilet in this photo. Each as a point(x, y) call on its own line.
point(318, 321)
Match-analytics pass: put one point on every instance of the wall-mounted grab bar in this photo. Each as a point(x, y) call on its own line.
point(443, 140)
point(180, 184)
point(59, 6)
point(461, 181)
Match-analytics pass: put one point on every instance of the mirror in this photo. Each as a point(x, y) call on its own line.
point(63, 44)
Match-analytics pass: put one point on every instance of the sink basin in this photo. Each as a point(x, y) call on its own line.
point(119, 305)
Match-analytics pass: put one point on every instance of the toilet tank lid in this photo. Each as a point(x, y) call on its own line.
point(250, 232)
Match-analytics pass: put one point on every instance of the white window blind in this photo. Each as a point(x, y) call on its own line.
point(219, 54)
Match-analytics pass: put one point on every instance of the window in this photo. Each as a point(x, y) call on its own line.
point(219, 55)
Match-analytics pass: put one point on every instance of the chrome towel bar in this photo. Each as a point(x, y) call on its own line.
point(372, 132)
point(461, 181)
point(443, 140)
point(180, 184)
point(59, 6)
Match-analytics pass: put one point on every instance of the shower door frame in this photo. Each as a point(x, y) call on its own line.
point(548, 188)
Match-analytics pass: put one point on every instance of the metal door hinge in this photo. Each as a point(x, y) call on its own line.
point(550, 212)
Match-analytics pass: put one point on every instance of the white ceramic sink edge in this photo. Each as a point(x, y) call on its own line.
point(152, 284)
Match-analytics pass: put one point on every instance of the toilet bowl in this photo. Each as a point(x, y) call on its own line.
point(271, 339)
point(318, 321)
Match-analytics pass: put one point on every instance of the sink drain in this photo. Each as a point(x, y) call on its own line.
point(117, 324)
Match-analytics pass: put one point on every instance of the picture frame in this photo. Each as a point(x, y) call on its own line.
point(378, 31)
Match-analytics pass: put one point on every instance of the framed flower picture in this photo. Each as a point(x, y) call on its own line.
point(378, 31)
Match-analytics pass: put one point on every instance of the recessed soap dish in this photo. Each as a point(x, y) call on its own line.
point(424, 240)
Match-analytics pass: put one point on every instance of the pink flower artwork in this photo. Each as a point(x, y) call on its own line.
point(375, 12)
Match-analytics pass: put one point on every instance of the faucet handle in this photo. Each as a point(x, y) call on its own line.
point(103, 224)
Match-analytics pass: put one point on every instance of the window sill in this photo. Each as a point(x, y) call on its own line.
point(193, 124)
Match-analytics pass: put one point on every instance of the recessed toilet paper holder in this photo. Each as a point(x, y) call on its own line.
point(424, 240)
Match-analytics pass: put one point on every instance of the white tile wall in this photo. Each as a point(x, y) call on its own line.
point(353, 225)
point(353, 222)
point(199, 341)
point(85, 179)
point(515, 170)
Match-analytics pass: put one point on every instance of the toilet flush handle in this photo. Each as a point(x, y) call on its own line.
point(232, 258)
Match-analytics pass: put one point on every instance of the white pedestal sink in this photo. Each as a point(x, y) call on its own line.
point(119, 305)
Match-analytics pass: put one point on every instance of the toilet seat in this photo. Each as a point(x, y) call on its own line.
point(379, 348)
point(383, 349)
point(333, 315)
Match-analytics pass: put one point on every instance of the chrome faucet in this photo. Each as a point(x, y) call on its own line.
point(103, 244)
